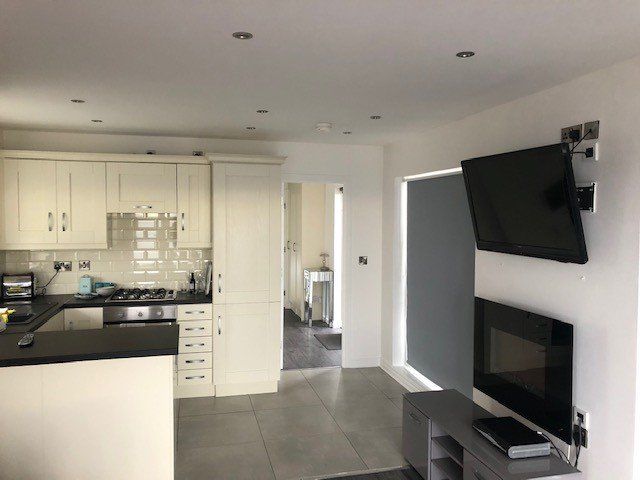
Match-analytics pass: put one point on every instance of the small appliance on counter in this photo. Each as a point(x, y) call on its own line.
point(18, 287)
point(85, 288)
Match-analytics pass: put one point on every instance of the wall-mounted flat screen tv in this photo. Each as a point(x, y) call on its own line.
point(525, 362)
point(525, 203)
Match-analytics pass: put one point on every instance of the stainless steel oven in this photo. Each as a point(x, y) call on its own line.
point(138, 315)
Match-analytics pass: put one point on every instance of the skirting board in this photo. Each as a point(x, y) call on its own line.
point(227, 390)
point(363, 362)
point(191, 391)
point(401, 375)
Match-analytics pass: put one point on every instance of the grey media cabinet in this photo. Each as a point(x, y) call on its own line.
point(439, 441)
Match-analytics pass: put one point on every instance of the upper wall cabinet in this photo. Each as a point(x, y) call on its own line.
point(194, 206)
point(49, 204)
point(141, 187)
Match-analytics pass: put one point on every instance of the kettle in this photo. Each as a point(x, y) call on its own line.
point(85, 285)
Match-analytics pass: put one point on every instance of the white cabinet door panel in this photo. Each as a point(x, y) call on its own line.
point(81, 201)
point(30, 201)
point(194, 206)
point(247, 235)
point(141, 187)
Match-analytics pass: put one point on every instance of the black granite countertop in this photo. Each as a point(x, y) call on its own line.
point(63, 302)
point(77, 345)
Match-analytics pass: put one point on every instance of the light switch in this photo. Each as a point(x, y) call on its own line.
point(363, 260)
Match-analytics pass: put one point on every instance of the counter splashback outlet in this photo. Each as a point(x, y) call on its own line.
point(142, 253)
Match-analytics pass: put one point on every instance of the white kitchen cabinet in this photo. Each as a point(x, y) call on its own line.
point(81, 203)
point(87, 318)
point(246, 233)
point(194, 206)
point(30, 202)
point(141, 187)
point(247, 284)
point(246, 347)
point(194, 376)
point(54, 204)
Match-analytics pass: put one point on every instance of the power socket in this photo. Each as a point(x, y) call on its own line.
point(571, 134)
point(62, 266)
point(580, 427)
point(581, 417)
point(580, 436)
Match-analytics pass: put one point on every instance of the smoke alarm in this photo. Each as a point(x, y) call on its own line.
point(324, 127)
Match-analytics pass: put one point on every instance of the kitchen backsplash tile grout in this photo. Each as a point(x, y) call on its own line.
point(142, 252)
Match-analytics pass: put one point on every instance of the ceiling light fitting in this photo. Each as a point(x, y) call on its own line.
point(324, 127)
point(347, 132)
point(250, 128)
point(375, 117)
point(262, 111)
point(465, 54)
point(77, 100)
point(96, 121)
point(243, 35)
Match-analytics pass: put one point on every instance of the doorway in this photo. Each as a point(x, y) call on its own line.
point(312, 276)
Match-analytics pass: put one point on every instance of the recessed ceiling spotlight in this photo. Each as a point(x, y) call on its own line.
point(77, 100)
point(346, 132)
point(250, 128)
point(324, 127)
point(375, 117)
point(262, 111)
point(465, 54)
point(243, 35)
point(96, 121)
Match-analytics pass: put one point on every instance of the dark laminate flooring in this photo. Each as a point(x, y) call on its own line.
point(302, 349)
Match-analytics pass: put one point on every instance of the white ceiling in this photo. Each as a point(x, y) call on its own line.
point(171, 67)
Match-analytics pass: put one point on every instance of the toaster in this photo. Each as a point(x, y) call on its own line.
point(18, 287)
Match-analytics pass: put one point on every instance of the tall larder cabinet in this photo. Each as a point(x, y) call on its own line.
point(247, 277)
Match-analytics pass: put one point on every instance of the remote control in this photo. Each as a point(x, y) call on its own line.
point(26, 341)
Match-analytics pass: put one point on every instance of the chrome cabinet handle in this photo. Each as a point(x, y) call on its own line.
point(191, 312)
point(288, 244)
point(199, 360)
point(144, 206)
point(219, 283)
point(194, 377)
point(294, 246)
point(190, 329)
point(194, 345)
point(219, 328)
point(50, 221)
point(182, 222)
point(64, 222)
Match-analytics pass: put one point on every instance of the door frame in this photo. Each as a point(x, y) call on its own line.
point(347, 324)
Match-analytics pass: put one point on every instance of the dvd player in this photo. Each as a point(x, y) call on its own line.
point(512, 437)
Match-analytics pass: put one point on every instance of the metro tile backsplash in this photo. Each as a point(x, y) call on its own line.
point(142, 253)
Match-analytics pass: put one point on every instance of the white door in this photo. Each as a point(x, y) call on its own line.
point(246, 233)
point(246, 344)
point(141, 187)
point(81, 203)
point(30, 201)
point(194, 206)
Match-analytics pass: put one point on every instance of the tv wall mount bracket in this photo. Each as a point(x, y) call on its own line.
point(587, 196)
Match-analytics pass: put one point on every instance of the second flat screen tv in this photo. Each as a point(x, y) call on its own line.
point(525, 203)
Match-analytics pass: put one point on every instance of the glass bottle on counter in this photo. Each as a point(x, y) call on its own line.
point(192, 283)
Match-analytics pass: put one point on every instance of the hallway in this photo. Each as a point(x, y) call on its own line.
point(302, 349)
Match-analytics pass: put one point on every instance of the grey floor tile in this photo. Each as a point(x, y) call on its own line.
point(211, 405)
point(297, 457)
point(291, 393)
point(332, 393)
point(292, 376)
point(383, 381)
point(366, 413)
point(317, 376)
point(216, 430)
point(380, 447)
point(246, 461)
point(296, 422)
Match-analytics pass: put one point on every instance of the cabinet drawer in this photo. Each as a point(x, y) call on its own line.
point(198, 311)
point(416, 438)
point(194, 361)
point(196, 328)
point(194, 377)
point(194, 344)
point(474, 469)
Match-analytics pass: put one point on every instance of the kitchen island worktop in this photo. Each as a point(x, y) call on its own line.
point(100, 344)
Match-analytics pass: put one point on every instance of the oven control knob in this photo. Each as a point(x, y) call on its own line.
point(140, 314)
point(121, 315)
point(159, 314)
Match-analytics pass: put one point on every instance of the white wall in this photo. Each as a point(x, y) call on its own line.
point(599, 298)
point(358, 167)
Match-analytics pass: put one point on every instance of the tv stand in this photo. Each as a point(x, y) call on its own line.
point(438, 440)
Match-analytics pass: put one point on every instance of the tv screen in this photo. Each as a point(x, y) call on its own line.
point(525, 203)
point(525, 362)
